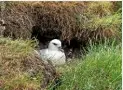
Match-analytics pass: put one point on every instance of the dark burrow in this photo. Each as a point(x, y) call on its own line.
point(72, 48)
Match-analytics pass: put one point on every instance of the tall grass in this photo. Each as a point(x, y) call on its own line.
point(100, 70)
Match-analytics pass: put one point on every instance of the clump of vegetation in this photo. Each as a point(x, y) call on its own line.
point(21, 68)
point(100, 69)
point(15, 56)
point(65, 20)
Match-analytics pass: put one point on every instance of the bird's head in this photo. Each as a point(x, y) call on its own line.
point(55, 44)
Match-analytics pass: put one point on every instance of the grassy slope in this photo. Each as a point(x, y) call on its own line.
point(100, 70)
point(12, 55)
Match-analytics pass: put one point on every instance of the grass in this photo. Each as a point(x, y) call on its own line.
point(65, 20)
point(21, 82)
point(16, 58)
point(99, 70)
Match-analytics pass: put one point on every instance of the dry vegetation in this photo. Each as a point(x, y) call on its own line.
point(21, 69)
point(66, 20)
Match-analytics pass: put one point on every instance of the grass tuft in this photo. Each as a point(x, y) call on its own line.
point(16, 59)
point(99, 70)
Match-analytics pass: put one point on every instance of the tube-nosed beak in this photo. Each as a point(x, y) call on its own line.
point(60, 49)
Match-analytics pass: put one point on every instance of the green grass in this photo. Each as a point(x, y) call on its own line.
point(14, 54)
point(99, 70)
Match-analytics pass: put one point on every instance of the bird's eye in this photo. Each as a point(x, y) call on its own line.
point(54, 43)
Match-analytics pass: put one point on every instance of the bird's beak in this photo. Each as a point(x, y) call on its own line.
point(60, 49)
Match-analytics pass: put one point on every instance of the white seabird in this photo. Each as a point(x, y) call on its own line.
point(54, 53)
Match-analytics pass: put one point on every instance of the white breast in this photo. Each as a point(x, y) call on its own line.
point(56, 57)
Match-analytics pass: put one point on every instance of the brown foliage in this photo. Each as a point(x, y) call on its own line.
point(51, 18)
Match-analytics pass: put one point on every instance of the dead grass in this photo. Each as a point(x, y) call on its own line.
point(70, 19)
